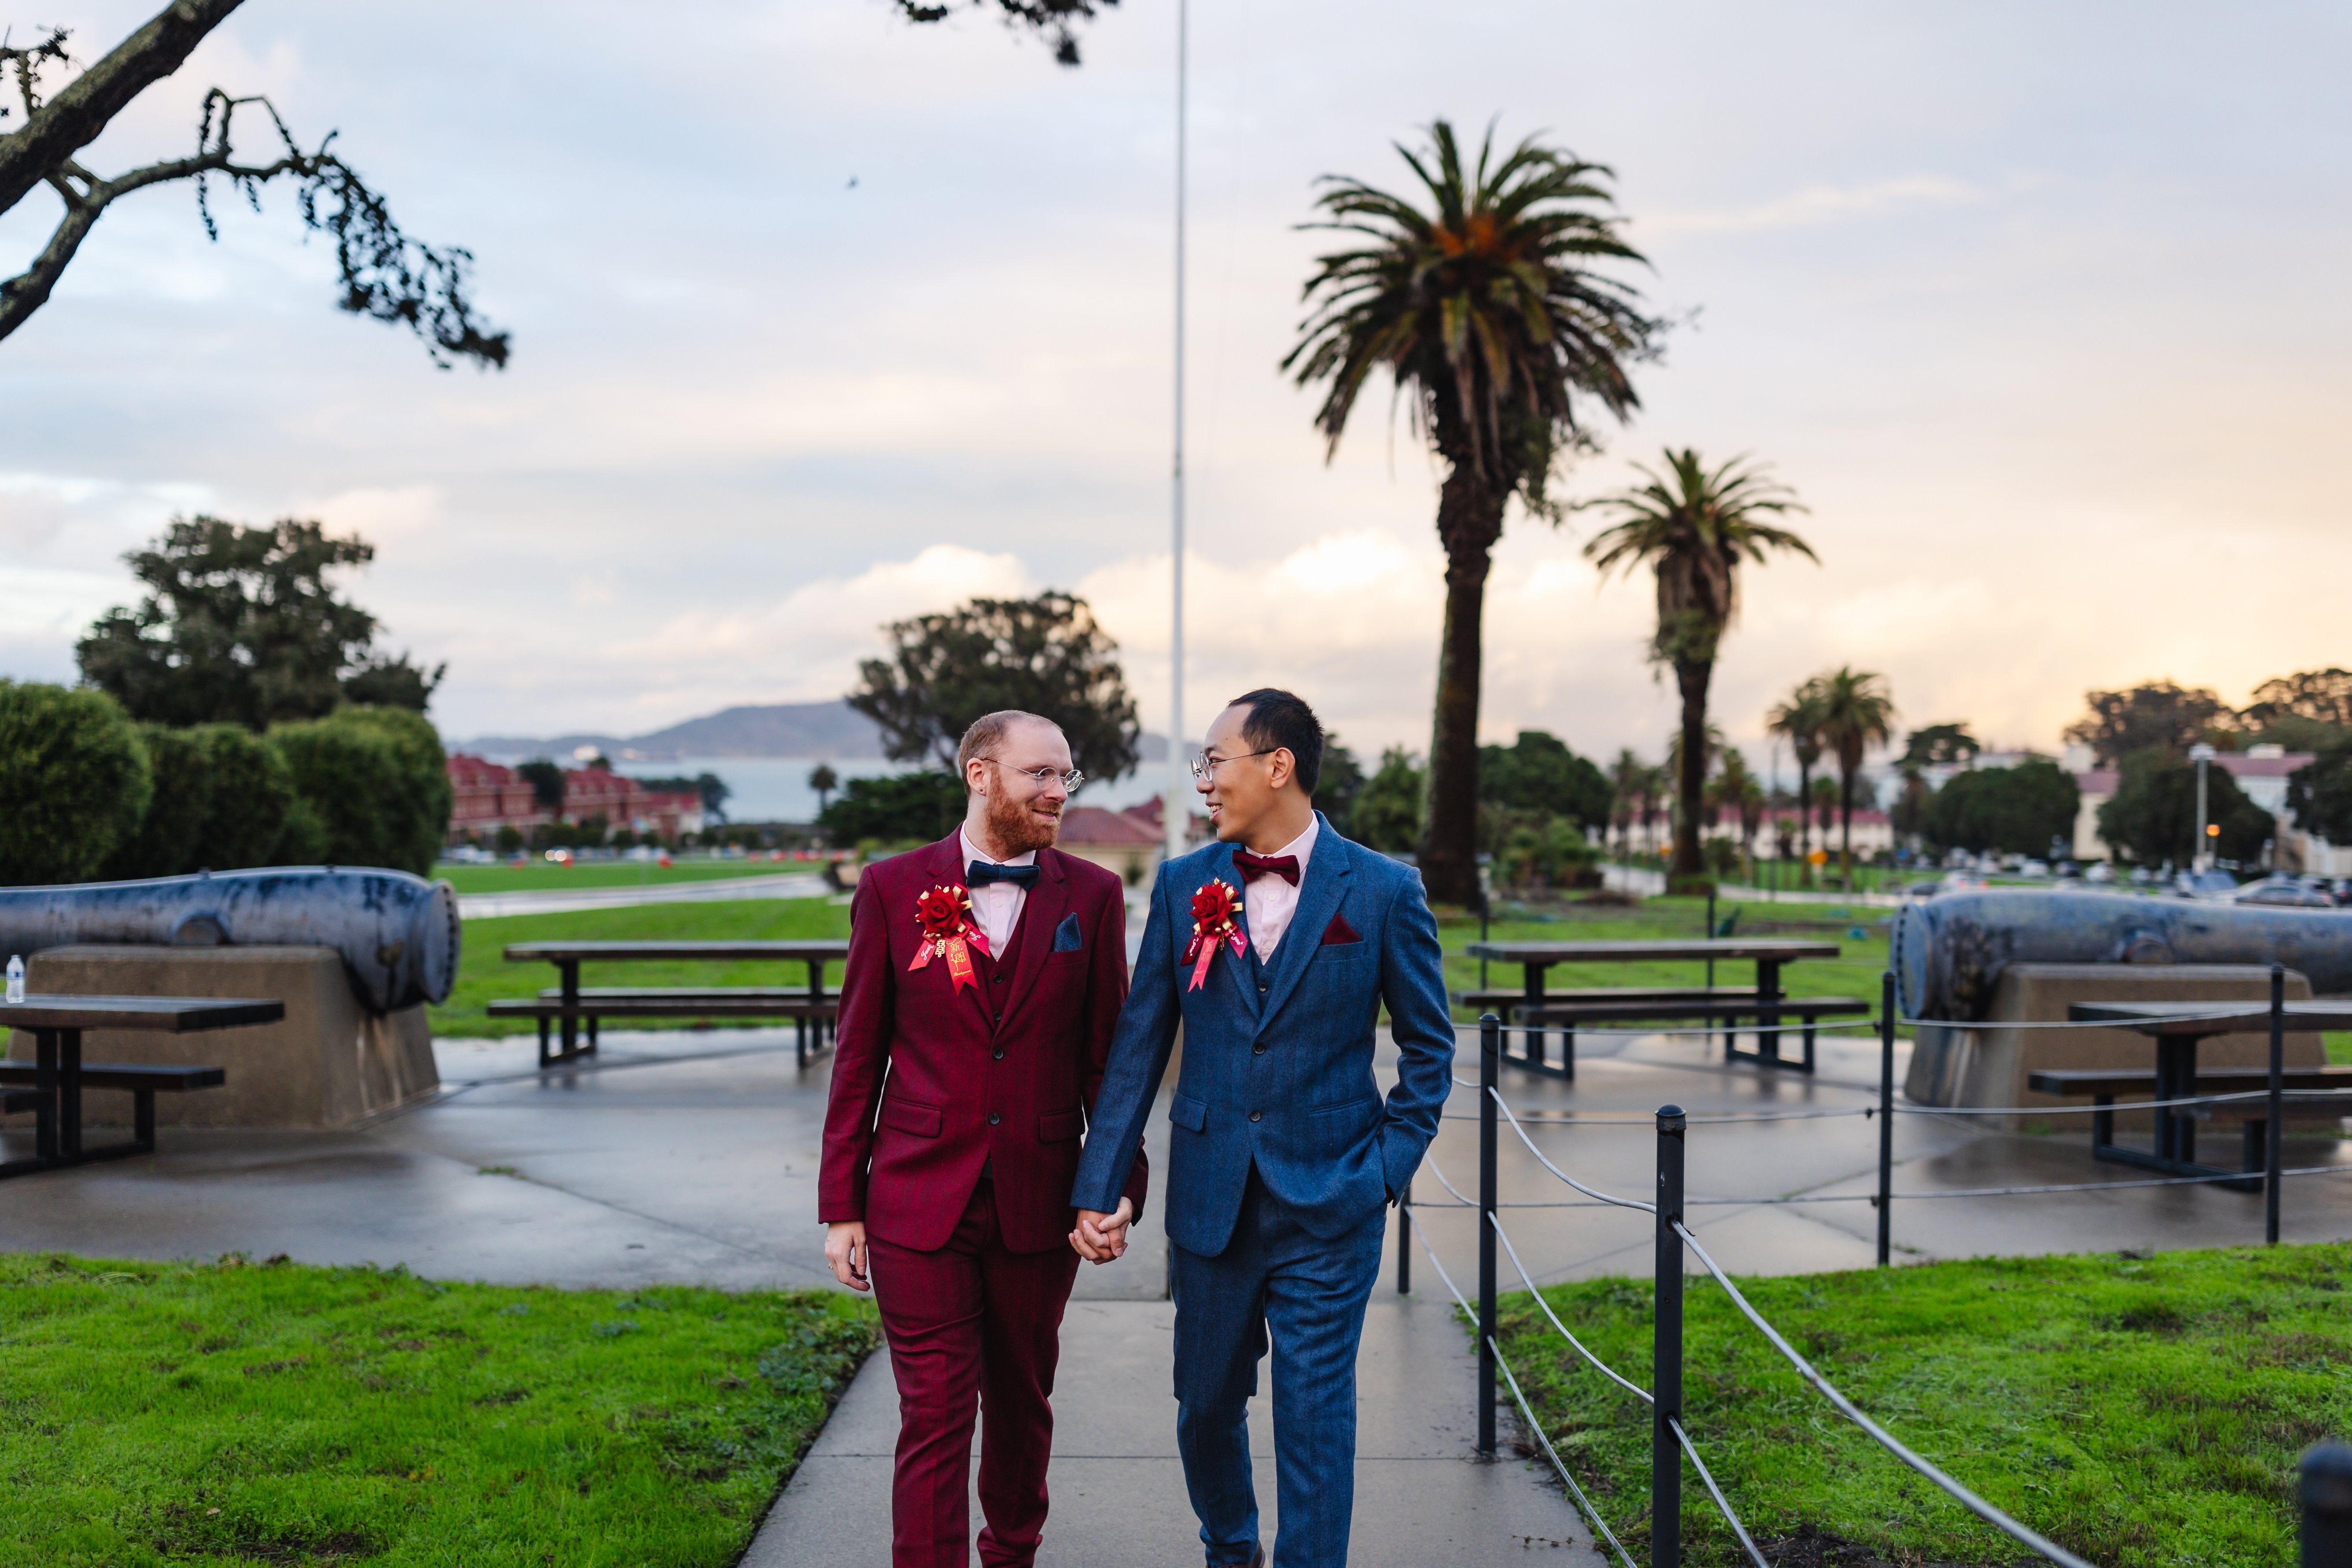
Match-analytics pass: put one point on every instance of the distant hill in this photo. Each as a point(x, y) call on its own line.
point(833, 730)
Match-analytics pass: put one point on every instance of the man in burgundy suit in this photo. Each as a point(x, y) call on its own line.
point(986, 977)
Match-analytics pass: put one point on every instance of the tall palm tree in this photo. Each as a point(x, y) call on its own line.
point(1684, 821)
point(1475, 294)
point(1856, 714)
point(1798, 717)
point(1694, 526)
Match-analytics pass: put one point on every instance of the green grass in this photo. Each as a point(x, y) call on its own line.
point(483, 973)
point(231, 1414)
point(2139, 1411)
point(538, 874)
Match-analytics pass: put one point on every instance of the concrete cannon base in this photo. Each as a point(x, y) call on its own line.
point(1989, 1067)
point(326, 1064)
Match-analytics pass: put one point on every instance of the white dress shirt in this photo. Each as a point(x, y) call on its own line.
point(997, 906)
point(1269, 902)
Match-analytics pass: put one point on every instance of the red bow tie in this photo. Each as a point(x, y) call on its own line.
point(1253, 866)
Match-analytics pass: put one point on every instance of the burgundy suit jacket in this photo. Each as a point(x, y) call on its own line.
point(1003, 1073)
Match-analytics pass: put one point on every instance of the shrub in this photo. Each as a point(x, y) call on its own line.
point(894, 808)
point(220, 802)
point(1387, 811)
point(74, 782)
point(372, 789)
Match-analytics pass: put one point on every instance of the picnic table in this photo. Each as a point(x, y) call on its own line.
point(1768, 953)
point(50, 1086)
point(567, 1005)
point(2176, 1029)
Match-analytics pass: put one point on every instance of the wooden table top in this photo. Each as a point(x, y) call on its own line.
point(172, 1015)
point(1765, 948)
point(2210, 1017)
point(715, 952)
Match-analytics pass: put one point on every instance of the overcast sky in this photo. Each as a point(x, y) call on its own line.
point(2042, 309)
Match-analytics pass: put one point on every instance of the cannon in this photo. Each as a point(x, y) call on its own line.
point(1949, 953)
point(397, 934)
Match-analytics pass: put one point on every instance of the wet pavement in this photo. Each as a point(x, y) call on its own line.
point(692, 1156)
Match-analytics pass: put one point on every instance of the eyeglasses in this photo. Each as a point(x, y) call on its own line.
point(1206, 766)
point(1040, 777)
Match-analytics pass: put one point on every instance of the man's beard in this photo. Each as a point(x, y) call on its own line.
point(1011, 825)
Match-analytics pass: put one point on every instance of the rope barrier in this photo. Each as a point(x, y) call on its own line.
point(1846, 1407)
point(2019, 1192)
point(1572, 1118)
point(1790, 1025)
point(1526, 1414)
point(1716, 1492)
point(1636, 1390)
point(1504, 1106)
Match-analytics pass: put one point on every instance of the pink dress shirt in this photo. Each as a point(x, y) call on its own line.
point(1269, 902)
point(997, 907)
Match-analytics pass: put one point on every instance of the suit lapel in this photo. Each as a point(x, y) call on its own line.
point(1318, 898)
point(1040, 912)
point(1235, 967)
point(943, 865)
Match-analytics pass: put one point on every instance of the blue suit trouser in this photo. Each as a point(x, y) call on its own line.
point(1274, 1279)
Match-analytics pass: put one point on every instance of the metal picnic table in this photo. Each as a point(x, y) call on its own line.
point(2177, 1028)
point(1768, 953)
point(567, 957)
point(55, 1024)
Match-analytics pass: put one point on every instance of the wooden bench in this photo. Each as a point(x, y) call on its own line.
point(809, 1015)
point(1498, 996)
point(2103, 1084)
point(1701, 1007)
point(144, 1083)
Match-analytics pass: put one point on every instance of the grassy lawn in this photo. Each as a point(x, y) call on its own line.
point(538, 874)
point(229, 1413)
point(2139, 1411)
point(483, 973)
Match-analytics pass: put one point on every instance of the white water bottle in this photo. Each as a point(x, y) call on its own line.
point(15, 977)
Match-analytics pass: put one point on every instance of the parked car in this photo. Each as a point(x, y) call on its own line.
point(2283, 891)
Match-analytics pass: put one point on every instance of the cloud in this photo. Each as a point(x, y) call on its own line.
point(1820, 204)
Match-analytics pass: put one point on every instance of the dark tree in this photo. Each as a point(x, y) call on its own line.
point(1341, 780)
point(2155, 714)
point(2153, 816)
point(1050, 19)
point(1538, 772)
point(240, 626)
point(1934, 745)
point(1387, 811)
point(825, 780)
point(1045, 656)
point(894, 808)
point(2324, 695)
point(546, 780)
point(1477, 295)
point(2016, 810)
point(382, 272)
point(2319, 795)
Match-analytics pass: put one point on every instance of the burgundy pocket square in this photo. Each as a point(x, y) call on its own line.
point(1340, 932)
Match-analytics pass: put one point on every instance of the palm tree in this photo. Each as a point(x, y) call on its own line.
point(1683, 821)
point(1856, 714)
point(1625, 779)
point(825, 780)
point(1694, 526)
point(1482, 308)
point(1798, 717)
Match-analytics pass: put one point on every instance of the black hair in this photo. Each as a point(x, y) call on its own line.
point(1279, 719)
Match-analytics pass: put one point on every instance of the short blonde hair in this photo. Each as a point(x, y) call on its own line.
point(984, 737)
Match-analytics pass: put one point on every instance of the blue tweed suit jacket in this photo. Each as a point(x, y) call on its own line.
point(1277, 1066)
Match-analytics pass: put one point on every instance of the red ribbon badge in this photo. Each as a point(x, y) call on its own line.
point(1212, 922)
point(949, 931)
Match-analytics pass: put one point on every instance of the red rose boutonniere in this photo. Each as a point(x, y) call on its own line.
point(944, 915)
point(1212, 922)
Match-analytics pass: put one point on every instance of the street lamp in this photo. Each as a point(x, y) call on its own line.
point(2202, 860)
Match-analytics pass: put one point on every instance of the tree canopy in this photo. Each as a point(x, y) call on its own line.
point(2324, 695)
point(2155, 714)
point(1045, 655)
point(1935, 746)
point(241, 626)
point(1538, 772)
point(2016, 811)
point(2319, 793)
point(2153, 816)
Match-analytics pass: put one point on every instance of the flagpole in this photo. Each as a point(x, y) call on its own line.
point(1176, 812)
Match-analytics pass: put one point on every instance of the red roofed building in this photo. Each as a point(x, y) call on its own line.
point(486, 796)
point(1126, 842)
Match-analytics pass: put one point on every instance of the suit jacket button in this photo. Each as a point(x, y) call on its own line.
point(1259, 1050)
point(1262, 988)
point(994, 1119)
point(999, 1017)
point(1253, 1115)
point(999, 1053)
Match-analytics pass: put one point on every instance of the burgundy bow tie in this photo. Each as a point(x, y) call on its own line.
point(1253, 866)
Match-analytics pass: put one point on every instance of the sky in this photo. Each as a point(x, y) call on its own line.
point(822, 320)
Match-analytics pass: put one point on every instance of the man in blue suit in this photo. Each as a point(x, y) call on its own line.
point(1276, 947)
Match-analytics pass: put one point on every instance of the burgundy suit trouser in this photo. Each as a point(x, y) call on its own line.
point(972, 1327)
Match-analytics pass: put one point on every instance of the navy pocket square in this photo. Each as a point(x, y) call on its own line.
point(1066, 937)
point(1339, 932)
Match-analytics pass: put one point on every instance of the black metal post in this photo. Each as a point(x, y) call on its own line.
point(1486, 909)
point(1404, 1241)
point(1666, 1351)
point(2274, 1160)
point(1490, 1048)
point(570, 969)
point(2327, 1492)
point(1885, 1116)
point(1710, 968)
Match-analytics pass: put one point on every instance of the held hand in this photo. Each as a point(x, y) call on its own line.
point(1100, 1236)
point(844, 1248)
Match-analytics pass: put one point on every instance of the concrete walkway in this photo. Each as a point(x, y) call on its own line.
point(692, 1157)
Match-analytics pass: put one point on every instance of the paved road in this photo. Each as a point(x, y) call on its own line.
point(553, 900)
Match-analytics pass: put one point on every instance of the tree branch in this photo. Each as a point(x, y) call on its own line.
point(57, 130)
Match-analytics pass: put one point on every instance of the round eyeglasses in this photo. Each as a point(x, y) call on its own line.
point(1040, 777)
point(1205, 766)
